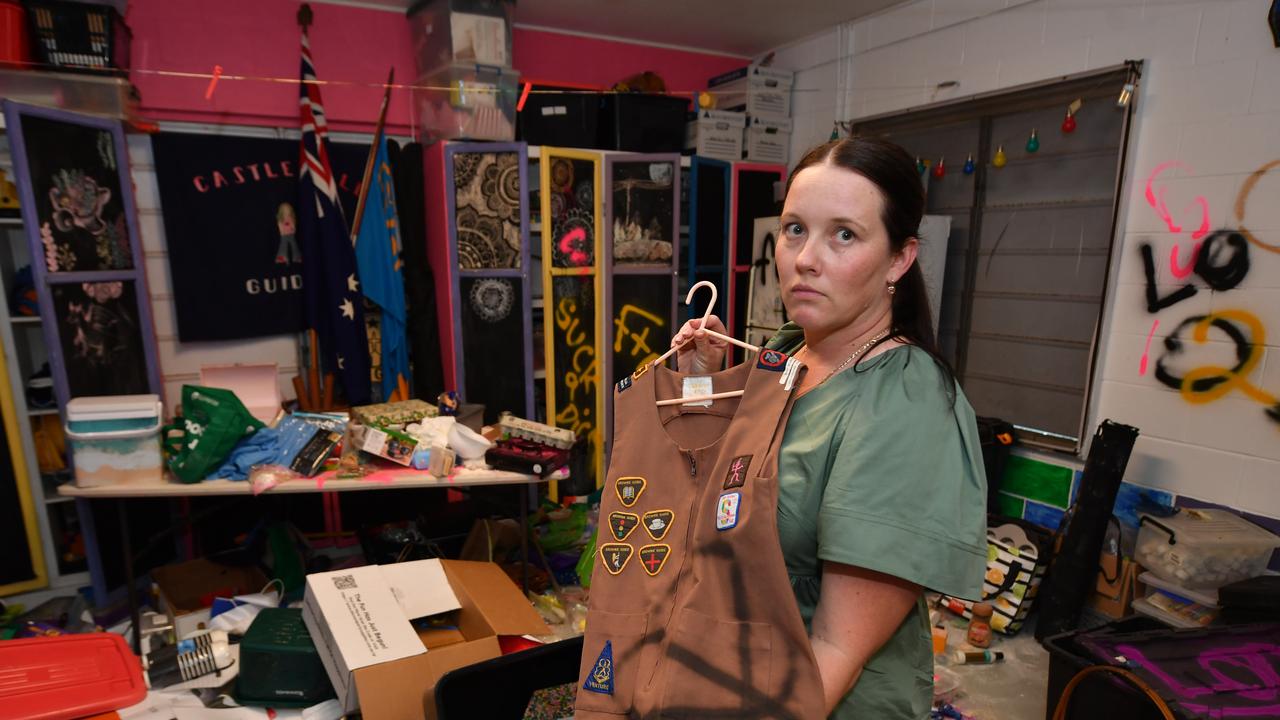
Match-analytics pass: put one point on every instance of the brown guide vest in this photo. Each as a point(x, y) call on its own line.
point(691, 610)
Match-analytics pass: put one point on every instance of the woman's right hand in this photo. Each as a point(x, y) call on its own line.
point(705, 354)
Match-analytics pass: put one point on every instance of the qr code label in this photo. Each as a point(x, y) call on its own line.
point(344, 582)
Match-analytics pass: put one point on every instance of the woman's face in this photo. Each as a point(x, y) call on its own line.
point(834, 260)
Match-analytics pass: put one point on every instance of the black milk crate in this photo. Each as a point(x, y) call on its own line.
point(78, 36)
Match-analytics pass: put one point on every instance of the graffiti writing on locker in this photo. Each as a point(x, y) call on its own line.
point(1221, 261)
point(632, 327)
point(575, 410)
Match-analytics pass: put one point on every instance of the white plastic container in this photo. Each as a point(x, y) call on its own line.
point(476, 102)
point(115, 440)
point(1204, 549)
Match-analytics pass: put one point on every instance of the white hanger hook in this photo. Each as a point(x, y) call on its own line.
point(688, 298)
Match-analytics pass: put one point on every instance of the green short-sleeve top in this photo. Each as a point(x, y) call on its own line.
point(880, 468)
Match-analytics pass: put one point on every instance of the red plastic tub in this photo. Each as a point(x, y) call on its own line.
point(71, 676)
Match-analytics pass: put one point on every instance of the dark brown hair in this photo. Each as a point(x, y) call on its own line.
point(894, 173)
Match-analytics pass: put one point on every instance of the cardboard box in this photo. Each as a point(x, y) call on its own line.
point(1116, 587)
point(756, 90)
point(390, 444)
point(186, 590)
point(716, 134)
point(767, 140)
point(376, 660)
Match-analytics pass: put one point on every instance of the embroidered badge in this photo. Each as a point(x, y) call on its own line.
point(772, 360)
point(615, 556)
point(629, 490)
point(624, 383)
point(658, 522)
point(622, 523)
point(737, 475)
point(600, 679)
point(653, 557)
point(727, 511)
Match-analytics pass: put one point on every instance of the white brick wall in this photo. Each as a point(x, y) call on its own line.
point(1210, 98)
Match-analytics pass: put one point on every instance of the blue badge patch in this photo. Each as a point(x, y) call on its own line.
point(600, 679)
point(624, 383)
point(772, 360)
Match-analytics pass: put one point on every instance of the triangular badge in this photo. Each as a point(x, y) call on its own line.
point(600, 679)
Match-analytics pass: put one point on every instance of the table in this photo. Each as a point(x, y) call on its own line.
point(386, 479)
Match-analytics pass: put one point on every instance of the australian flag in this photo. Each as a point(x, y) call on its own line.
point(332, 288)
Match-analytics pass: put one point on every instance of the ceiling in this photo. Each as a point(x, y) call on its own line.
point(735, 27)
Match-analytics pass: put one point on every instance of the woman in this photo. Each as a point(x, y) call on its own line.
point(881, 487)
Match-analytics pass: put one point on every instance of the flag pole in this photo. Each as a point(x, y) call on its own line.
point(310, 400)
point(373, 154)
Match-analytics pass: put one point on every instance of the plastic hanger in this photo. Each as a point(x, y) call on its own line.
point(688, 299)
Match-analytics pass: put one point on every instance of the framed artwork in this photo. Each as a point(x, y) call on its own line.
point(76, 195)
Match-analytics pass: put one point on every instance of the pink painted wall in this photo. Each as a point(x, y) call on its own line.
point(551, 57)
point(354, 46)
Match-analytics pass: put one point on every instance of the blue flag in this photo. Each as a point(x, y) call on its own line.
point(334, 304)
point(381, 276)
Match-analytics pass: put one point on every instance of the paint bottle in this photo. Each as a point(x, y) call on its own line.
point(979, 634)
point(977, 657)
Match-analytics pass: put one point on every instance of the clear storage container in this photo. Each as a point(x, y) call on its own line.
point(476, 102)
point(1204, 549)
point(115, 440)
point(467, 31)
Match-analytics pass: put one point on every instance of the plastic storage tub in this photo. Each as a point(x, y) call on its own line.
point(115, 440)
point(476, 102)
point(461, 31)
point(1204, 549)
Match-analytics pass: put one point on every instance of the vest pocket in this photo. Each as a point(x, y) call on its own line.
point(616, 665)
point(718, 668)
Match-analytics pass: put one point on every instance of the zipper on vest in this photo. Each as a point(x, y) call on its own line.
point(693, 464)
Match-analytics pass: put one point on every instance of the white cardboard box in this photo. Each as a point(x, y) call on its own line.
point(716, 134)
point(767, 140)
point(359, 617)
point(756, 90)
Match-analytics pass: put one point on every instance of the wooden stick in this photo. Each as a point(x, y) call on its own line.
point(328, 392)
point(300, 387)
point(373, 154)
point(313, 369)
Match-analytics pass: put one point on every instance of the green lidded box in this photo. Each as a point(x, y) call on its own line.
point(279, 665)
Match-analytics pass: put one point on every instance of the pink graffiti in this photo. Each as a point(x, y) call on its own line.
point(1259, 659)
point(1146, 352)
point(1178, 271)
point(569, 245)
point(1157, 201)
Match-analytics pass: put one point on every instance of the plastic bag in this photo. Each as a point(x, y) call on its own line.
point(213, 420)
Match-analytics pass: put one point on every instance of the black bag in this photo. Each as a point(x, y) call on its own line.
point(996, 437)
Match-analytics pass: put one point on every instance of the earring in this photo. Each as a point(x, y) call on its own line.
point(892, 289)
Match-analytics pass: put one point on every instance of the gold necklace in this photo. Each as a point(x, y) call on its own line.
point(856, 353)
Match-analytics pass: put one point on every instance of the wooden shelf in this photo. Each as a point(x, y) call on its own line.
point(25, 319)
point(10, 221)
point(34, 412)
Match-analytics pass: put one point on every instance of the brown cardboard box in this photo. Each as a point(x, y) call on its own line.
point(183, 586)
point(1117, 585)
point(489, 605)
